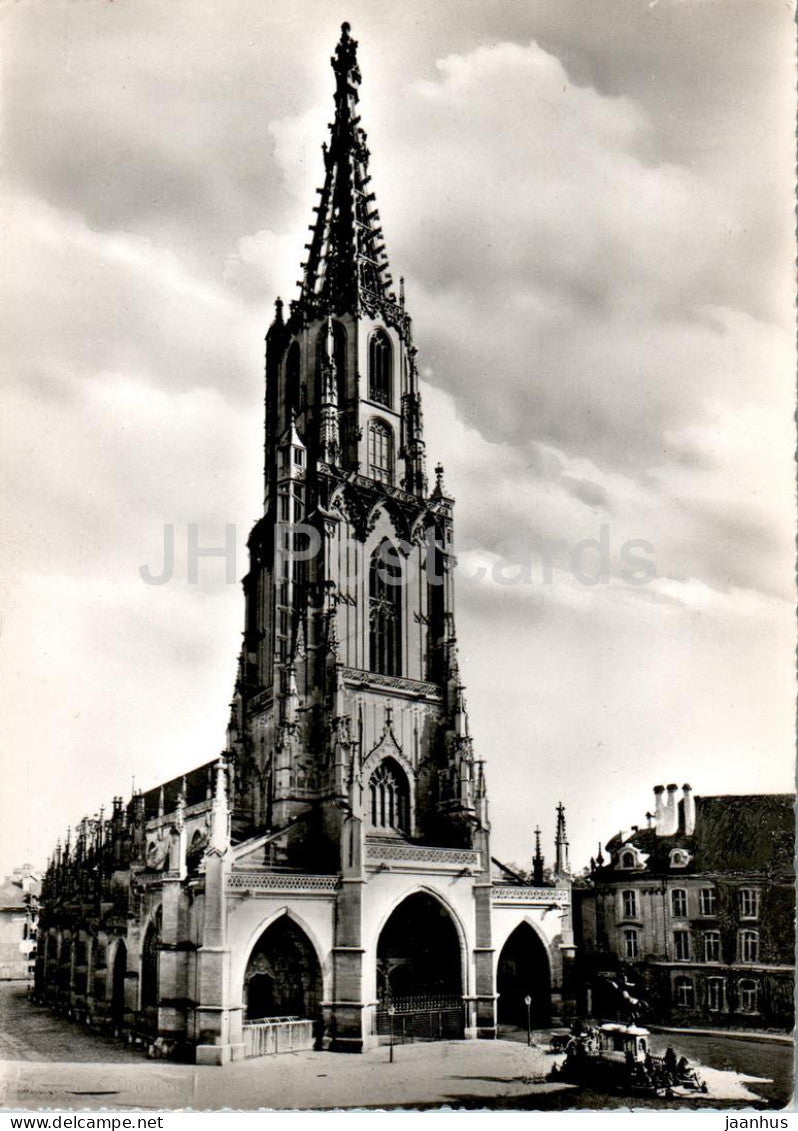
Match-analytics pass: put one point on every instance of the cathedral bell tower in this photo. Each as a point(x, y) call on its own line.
point(348, 706)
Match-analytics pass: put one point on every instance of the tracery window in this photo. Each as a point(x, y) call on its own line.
point(380, 452)
point(385, 611)
point(380, 369)
point(389, 797)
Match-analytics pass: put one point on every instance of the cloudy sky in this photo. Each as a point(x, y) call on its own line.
point(591, 203)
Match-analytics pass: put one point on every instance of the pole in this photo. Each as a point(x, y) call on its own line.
point(528, 1004)
point(391, 1011)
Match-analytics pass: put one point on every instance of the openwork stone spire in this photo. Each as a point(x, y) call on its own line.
point(347, 266)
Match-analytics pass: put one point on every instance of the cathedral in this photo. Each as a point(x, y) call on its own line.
point(327, 881)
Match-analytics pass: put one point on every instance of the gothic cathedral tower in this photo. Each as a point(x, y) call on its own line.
point(331, 872)
point(349, 736)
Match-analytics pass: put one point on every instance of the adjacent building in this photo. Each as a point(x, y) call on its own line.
point(19, 907)
point(693, 915)
point(334, 863)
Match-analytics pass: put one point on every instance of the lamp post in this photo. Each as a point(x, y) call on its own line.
point(391, 1012)
point(528, 1004)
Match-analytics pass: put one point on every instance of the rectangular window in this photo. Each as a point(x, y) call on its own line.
point(681, 945)
point(629, 904)
point(630, 949)
point(685, 993)
point(679, 903)
point(716, 995)
point(749, 903)
point(708, 901)
point(284, 508)
point(749, 996)
point(749, 946)
point(712, 946)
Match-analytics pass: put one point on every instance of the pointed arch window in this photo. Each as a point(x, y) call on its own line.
point(292, 388)
point(380, 452)
point(389, 797)
point(385, 611)
point(381, 368)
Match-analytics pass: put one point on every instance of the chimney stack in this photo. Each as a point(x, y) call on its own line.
point(671, 816)
point(689, 810)
point(659, 809)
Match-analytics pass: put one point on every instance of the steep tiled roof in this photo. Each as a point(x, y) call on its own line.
point(733, 833)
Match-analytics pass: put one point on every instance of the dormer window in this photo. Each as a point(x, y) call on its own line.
point(628, 860)
point(381, 369)
point(679, 858)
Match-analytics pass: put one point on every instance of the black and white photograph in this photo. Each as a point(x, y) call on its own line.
point(399, 517)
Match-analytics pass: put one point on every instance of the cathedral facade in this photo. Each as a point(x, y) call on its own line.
point(333, 865)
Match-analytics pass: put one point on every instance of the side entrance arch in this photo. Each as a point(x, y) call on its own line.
point(523, 971)
point(419, 972)
point(283, 975)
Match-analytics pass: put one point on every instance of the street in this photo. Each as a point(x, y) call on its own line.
point(47, 1062)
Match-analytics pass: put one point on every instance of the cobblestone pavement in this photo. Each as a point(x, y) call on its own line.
point(30, 1032)
point(47, 1062)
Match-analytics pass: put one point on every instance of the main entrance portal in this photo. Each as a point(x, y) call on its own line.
point(419, 973)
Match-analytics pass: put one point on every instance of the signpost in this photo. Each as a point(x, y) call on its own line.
point(528, 1004)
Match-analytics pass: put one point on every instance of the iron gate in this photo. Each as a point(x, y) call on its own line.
point(422, 1017)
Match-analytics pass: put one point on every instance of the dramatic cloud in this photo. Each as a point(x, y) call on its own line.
point(592, 207)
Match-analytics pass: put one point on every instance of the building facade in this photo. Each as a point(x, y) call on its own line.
point(19, 909)
point(694, 916)
point(334, 863)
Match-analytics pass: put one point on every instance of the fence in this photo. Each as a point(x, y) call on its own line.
point(422, 1018)
point(277, 1034)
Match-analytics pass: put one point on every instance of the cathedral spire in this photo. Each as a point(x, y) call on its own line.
point(347, 266)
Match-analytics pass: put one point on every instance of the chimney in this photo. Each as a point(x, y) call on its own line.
point(689, 810)
point(659, 810)
point(671, 816)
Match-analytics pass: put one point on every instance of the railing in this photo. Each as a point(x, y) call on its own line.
point(421, 1017)
point(510, 893)
point(280, 881)
point(420, 854)
point(271, 1035)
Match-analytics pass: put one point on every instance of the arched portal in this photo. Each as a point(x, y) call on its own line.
point(118, 983)
point(283, 976)
point(150, 962)
point(523, 972)
point(419, 972)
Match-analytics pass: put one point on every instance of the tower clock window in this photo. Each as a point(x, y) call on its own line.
point(380, 369)
point(380, 452)
point(385, 611)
